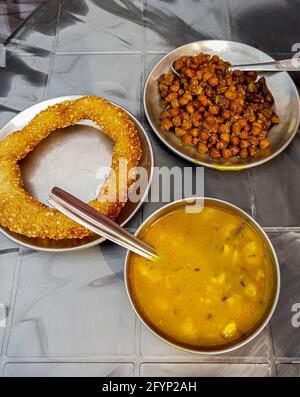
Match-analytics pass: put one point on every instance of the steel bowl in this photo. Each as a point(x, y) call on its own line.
point(287, 104)
point(56, 161)
point(250, 221)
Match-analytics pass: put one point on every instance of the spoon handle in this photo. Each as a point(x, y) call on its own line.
point(98, 223)
point(285, 65)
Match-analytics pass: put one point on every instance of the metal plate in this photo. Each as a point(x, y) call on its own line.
point(281, 85)
point(235, 211)
point(73, 158)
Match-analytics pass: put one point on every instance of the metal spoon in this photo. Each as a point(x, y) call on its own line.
point(100, 224)
point(285, 65)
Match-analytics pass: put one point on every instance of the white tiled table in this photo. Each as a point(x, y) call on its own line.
point(68, 314)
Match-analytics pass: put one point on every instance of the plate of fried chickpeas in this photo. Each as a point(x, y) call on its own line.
point(218, 117)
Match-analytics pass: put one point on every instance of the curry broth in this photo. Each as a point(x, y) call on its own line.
point(214, 282)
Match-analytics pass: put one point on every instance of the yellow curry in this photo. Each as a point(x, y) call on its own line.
point(214, 282)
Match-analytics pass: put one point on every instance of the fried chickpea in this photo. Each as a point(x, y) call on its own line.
point(215, 59)
point(163, 104)
point(228, 80)
point(243, 123)
point(244, 153)
point(174, 112)
point(213, 128)
point(179, 131)
point(190, 108)
point(175, 103)
point(171, 96)
point(249, 114)
point(253, 140)
point(207, 76)
point(213, 139)
point(176, 121)
point(210, 119)
point(203, 100)
point(185, 99)
point(222, 129)
point(275, 119)
point(187, 139)
point(252, 151)
point(226, 114)
point(214, 153)
point(202, 148)
point(213, 109)
point(236, 128)
point(185, 116)
point(166, 124)
point(267, 113)
point(244, 143)
point(226, 153)
point(179, 63)
point(204, 136)
point(244, 134)
point(264, 143)
point(213, 81)
point(189, 73)
point(197, 116)
point(255, 130)
point(169, 78)
point(165, 114)
point(230, 94)
point(209, 92)
point(194, 132)
point(199, 75)
point(225, 137)
point(234, 150)
point(196, 104)
point(221, 145)
point(187, 124)
point(175, 86)
point(235, 140)
point(164, 89)
point(269, 98)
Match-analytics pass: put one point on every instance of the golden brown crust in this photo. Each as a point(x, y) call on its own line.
point(21, 213)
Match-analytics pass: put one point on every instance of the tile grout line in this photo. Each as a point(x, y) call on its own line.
point(66, 53)
point(272, 352)
point(138, 331)
point(53, 50)
point(138, 346)
point(228, 18)
point(271, 355)
point(143, 69)
point(252, 193)
point(13, 298)
point(46, 53)
point(281, 229)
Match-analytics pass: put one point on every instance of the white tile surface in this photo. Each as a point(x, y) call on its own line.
point(72, 305)
point(68, 369)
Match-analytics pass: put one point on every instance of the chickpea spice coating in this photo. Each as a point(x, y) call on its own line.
point(221, 112)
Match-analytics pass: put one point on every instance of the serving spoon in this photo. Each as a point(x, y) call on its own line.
point(100, 224)
point(284, 65)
